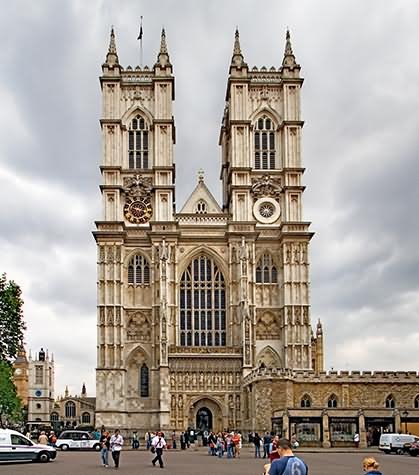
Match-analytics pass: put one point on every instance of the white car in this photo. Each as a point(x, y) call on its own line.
point(15, 447)
point(77, 439)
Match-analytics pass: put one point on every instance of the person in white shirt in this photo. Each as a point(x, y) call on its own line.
point(116, 444)
point(158, 444)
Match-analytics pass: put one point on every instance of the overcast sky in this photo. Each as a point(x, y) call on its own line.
point(360, 102)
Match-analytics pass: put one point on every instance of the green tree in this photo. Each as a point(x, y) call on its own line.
point(12, 325)
point(10, 404)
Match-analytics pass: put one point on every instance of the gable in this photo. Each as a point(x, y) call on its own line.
point(201, 194)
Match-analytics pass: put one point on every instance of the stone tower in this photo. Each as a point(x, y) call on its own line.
point(21, 375)
point(41, 388)
point(191, 302)
point(262, 188)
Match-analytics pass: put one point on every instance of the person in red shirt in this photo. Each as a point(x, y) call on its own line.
point(274, 454)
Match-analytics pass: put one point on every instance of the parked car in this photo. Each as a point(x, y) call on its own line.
point(77, 439)
point(395, 442)
point(15, 447)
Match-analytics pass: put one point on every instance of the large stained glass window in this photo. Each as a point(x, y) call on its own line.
point(202, 304)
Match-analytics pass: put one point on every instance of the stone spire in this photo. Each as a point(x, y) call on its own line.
point(83, 390)
point(163, 56)
point(237, 59)
point(319, 329)
point(289, 58)
point(112, 56)
point(66, 392)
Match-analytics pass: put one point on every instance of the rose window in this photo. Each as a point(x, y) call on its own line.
point(266, 209)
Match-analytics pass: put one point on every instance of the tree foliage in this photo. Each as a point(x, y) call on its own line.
point(10, 404)
point(12, 325)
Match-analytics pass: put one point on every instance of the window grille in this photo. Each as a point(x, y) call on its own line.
point(266, 271)
point(144, 381)
point(138, 147)
point(202, 305)
point(264, 142)
point(54, 417)
point(139, 271)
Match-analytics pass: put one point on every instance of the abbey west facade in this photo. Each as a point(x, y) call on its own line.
point(204, 314)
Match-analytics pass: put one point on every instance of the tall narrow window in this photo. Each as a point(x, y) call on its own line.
point(265, 151)
point(139, 271)
point(39, 374)
point(266, 271)
point(202, 304)
point(390, 402)
point(332, 401)
point(70, 410)
point(144, 381)
point(416, 404)
point(306, 401)
point(138, 143)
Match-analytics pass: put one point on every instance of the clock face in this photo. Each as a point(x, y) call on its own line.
point(18, 371)
point(138, 211)
point(38, 393)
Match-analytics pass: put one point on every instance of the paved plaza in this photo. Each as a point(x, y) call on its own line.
point(199, 463)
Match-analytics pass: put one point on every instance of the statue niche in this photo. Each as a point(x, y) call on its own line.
point(138, 328)
point(268, 358)
point(267, 326)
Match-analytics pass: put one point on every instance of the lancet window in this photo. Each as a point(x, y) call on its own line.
point(306, 401)
point(70, 410)
point(332, 401)
point(201, 207)
point(139, 271)
point(416, 402)
point(264, 144)
point(266, 271)
point(390, 402)
point(144, 381)
point(138, 146)
point(202, 304)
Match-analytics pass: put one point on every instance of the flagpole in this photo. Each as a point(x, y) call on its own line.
point(141, 42)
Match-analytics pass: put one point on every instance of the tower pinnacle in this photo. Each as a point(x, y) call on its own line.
point(237, 49)
point(163, 56)
point(112, 55)
point(237, 60)
point(289, 58)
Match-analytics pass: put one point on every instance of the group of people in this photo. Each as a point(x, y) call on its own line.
point(286, 463)
point(45, 439)
point(229, 443)
point(114, 443)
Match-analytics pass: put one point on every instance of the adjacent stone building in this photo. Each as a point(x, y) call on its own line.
point(204, 314)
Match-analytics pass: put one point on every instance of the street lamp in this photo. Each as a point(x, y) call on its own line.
point(405, 414)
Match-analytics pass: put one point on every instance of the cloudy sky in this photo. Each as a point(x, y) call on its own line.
point(361, 143)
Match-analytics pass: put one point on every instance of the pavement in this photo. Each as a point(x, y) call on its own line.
point(191, 462)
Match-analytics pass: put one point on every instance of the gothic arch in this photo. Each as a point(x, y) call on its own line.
point(268, 358)
point(134, 252)
point(267, 110)
point(134, 362)
point(210, 403)
point(137, 350)
point(207, 252)
point(132, 111)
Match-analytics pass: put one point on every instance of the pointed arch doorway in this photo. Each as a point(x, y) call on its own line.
point(206, 415)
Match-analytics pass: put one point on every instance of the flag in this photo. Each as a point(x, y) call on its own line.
point(140, 36)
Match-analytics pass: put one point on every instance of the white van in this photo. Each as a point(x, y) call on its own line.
point(15, 447)
point(395, 442)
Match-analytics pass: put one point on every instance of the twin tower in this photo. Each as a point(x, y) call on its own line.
point(191, 301)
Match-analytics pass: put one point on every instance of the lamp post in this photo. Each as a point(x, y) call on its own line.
point(405, 414)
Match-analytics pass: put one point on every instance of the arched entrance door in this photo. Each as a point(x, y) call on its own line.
point(204, 419)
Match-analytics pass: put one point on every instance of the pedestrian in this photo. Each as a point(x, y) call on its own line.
point(371, 466)
point(147, 438)
point(220, 445)
point(52, 439)
point(187, 442)
point(273, 455)
point(237, 440)
point(104, 448)
point(182, 441)
point(287, 463)
point(257, 441)
point(116, 444)
point(174, 439)
point(356, 440)
point(135, 441)
point(267, 439)
point(158, 444)
point(43, 439)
